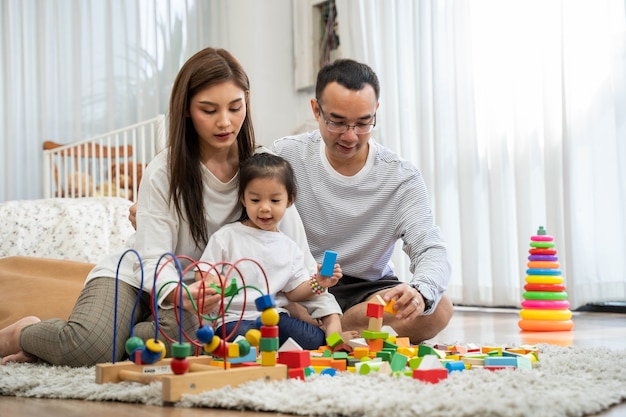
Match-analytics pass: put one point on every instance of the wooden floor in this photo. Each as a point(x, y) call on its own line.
point(469, 325)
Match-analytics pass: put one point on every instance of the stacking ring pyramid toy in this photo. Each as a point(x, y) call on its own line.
point(545, 307)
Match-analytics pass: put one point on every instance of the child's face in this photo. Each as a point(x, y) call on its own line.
point(265, 200)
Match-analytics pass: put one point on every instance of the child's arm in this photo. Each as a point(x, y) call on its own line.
point(316, 285)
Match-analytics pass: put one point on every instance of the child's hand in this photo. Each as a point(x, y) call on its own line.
point(326, 282)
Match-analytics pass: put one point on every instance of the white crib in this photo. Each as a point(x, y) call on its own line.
point(108, 165)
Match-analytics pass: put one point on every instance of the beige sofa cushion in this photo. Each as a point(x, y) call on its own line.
point(41, 287)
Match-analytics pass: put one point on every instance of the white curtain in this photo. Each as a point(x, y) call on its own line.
point(515, 112)
point(74, 69)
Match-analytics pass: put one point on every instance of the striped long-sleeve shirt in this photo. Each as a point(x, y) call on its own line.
point(361, 217)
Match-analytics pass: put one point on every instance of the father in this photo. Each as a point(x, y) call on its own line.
point(358, 198)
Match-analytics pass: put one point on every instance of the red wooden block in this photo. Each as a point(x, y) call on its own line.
point(269, 331)
point(296, 373)
point(295, 358)
point(430, 375)
point(375, 310)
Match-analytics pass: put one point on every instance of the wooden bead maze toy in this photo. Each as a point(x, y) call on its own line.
point(222, 363)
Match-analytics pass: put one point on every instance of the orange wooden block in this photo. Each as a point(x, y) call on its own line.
point(403, 342)
point(390, 307)
point(375, 345)
point(321, 362)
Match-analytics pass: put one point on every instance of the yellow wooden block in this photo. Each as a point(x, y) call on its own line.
point(360, 352)
point(407, 351)
point(233, 350)
point(268, 358)
point(491, 350)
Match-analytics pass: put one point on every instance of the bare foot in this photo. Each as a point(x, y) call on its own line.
point(10, 339)
point(20, 356)
point(349, 335)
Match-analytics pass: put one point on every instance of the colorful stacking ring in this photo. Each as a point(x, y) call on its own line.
point(544, 279)
point(544, 295)
point(549, 315)
point(542, 251)
point(544, 287)
point(542, 244)
point(543, 271)
point(542, 238)
point(548, 258)
point(546, 325)
point(543, 264)
point(545, 304)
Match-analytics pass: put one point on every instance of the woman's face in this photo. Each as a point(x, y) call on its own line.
point(217, 113)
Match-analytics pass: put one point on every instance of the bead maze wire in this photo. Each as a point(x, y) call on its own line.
point(198, 306)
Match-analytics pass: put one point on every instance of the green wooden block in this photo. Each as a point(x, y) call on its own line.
point(398, 362)
point(334, 340)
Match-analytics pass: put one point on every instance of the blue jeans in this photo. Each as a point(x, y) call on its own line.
point(308, 336)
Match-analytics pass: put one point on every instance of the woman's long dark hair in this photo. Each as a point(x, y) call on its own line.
point(204, 69)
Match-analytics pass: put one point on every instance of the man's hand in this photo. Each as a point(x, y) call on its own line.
point(409, 302)
point(132, 215)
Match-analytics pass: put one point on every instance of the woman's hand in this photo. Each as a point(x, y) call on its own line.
point(205, 298)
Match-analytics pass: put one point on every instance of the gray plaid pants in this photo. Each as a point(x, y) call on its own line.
point(86, 338)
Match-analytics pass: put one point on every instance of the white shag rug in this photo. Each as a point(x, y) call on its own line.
point(570, 381)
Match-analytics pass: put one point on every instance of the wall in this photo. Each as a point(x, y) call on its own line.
point(260, 35)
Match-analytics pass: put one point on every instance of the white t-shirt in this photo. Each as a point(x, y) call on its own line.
point(269, 262)
point(361, 217)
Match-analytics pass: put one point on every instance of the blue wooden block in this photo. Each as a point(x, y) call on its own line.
point(328, 264)
point(501, 361)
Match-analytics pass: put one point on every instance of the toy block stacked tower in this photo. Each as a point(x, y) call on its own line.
point(545, 306)
point(374, 335)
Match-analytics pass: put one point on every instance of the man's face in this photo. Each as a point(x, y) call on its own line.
point(337, 107)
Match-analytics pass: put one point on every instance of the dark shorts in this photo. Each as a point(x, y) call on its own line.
point(351, 291)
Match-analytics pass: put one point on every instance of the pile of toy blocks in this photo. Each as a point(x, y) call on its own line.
point(381, 350)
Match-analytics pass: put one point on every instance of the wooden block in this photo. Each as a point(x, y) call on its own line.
point(390, 307)
point(430, 375)
point(130, 371)
point(174, 386)
point(375, 310)
point(375, 324)
point(403, 342)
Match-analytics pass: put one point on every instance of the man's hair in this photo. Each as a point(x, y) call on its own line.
point(348, 73)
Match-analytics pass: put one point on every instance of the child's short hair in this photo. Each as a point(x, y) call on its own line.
point(266, 165)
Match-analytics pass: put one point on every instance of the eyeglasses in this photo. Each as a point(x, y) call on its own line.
point(340, 127)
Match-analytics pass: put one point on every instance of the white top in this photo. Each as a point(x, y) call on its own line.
point(160, 231)
point(267, 261)
point(361, 217)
